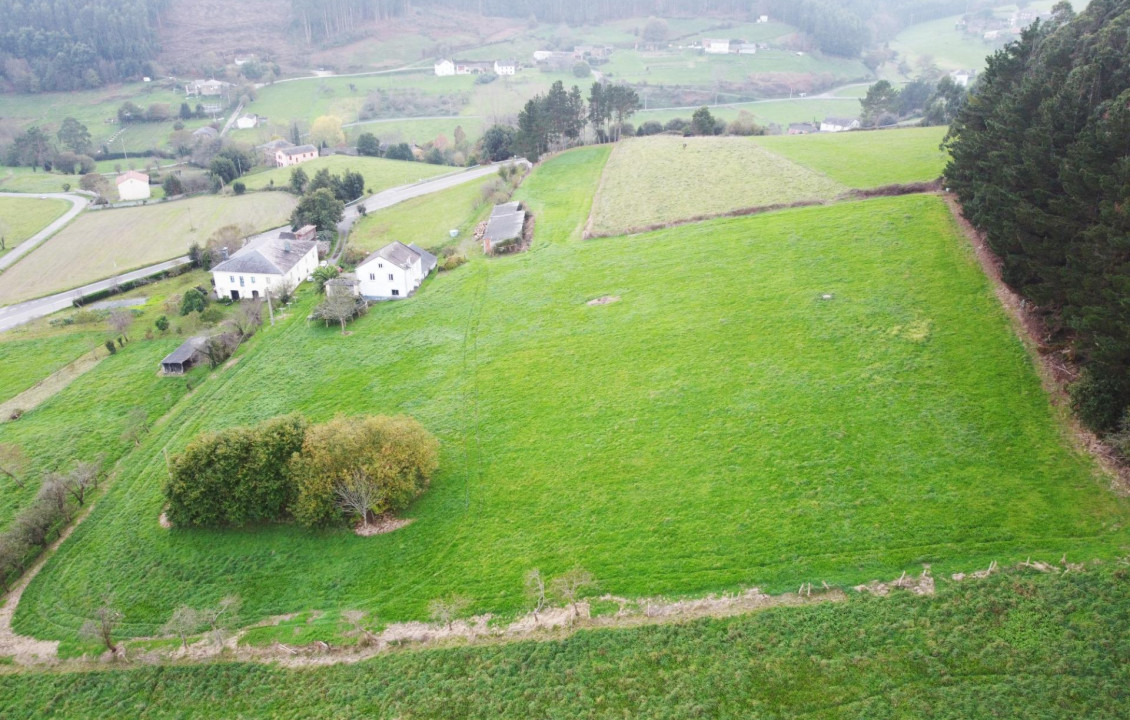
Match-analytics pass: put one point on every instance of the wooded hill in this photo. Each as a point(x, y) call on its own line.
point(1041, 163)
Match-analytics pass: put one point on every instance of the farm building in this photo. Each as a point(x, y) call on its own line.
point(716, 47)
point(505, 67)
point(206, 87)
point(838, 124)
point(268, 149)
point(205, 133)
point(271, 261)
point(394, 271)
point(346, 284)
point(473, 67)
point(746, 49)
point(287, 156)
point(247, 122)
point(179, 361)
point(802, 128)
point(963, 77)
point(504, 227)
point(133, 185)
point(444, 68)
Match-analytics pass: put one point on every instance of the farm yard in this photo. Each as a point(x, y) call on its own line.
point(107, 242)
point(21, 218)
point(878, 414)
point(657, 180)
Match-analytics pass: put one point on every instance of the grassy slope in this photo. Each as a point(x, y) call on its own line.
point(379, 173)
point(688, 438)
point(866, 159)
point(781, 112)
point(424, 220)
point(20, 218)
point(661, 179)
point(23, 363)
point(1013, 646)
point(99, 244)
point(690, 67)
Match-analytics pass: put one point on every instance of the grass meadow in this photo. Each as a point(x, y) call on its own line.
point(1017, 644)
point(662, 179)
point(380, 174)
point(691, 67)
point(425, 220)
point(866, 159)
point(101, 244)
point(20, 218)
point(721, 425)
point(24, 362)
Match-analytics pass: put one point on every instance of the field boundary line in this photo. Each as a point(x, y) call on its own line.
point(50, 386)
point(1054, 369)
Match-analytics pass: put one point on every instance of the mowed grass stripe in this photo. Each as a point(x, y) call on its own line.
point(655, 180)
point(721, 425)
point(101, 244)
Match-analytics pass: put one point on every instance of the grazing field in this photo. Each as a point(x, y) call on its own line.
point(709, 430)
point(23, 179)
point(692, 68)
point(379, 173)
point(24, 362)
point(867, 159)
point(662, 179)
point(20, 218)
point(765, 112)
point(1017, 644)
point(107, 242)
point(425, 220)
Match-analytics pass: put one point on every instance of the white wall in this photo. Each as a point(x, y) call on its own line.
point(284, 160)
point(246, 284)
point(379, 278)
point(133, 189)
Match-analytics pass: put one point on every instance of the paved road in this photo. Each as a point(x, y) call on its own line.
point(14, 315)
point(78, 202)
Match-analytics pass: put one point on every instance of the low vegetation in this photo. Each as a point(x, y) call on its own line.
point(657, 180)
point(21, 218)
point(379, 173)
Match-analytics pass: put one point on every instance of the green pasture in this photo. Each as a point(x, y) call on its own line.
point(1017, 644)
point(693, 68)
point(25, 362)
point(941, 42)
point(866, 159)
point(21, 218)
point(418, 131)
point(23, 179)
point(765, 112)
point(425, 220)
point(380, 174)
point(709, 430)
point(660, 179)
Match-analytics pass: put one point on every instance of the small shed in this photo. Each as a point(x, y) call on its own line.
point(504, 227)
point(183, 358)
point(347, 285)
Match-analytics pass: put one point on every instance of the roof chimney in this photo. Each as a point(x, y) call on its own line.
point(225, 250)
point(286, 246)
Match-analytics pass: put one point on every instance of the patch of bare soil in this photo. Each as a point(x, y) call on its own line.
point(606, 300)
point(163, 521)
point(896, 189)
point(1053, 358)
point(382, 525)
point(921, 585)
point(46, 388)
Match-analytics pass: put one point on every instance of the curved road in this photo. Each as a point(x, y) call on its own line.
point(21, 313)
point(78, 204)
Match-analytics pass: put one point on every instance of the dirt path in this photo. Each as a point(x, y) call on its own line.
point(46, 388)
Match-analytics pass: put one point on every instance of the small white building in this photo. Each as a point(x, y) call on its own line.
point(747, 49)
point(838, 124)
point(287, 156)
point(963, 77)
point(203, 88)
point(445, 68)
point(716, 47)
point(394, 271)
point(270, 261)
point(505, 67)
point(762, 19)
point(247, 122)
point(133, 185)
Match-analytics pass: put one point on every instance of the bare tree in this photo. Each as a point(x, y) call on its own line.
point(535, 591)
point(247, 318)
point(13, 462)
point(137, 425)
point(447, 609)
point(83, 478)
point(219, 619)
point(120, 322)
point(358, 495)
point(101, 627)
point(360, 623)
point(339, 308)
point(54, 491)
point(184, 622)
point(569, 586)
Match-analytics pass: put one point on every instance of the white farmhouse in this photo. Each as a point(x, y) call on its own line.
point(716, 47)
point(246, 122)
point(133, 185)
point(271, 261)
point(285, 157)
point(445, 68)
point(837, 124)
point(505, 67)
point(963, 77)
point(394, 271)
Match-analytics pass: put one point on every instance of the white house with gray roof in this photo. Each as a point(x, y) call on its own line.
point(270, 261)
point(394, 271)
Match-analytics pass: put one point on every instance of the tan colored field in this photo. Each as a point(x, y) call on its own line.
point(661, 179)
point(106, 242)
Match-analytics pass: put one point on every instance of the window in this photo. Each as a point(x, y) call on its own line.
point(391, 276)
point(380, 265)
point(241, 281)
point(395, 292)
point(372, 276)
point(252, 279)
point(231, 278)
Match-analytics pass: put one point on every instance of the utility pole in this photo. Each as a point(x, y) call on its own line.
point(270, 308)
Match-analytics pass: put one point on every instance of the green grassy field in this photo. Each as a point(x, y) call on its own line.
point(661, 179)
point(425, 220)
point(689, 438)
point(781, 112)
point(24, 180)
point(380, 174)
point(690, 67)
point(20, 218)
point(24, 362)
point(867, 159)
point(114, 241)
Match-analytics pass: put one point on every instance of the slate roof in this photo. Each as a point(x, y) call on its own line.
point(427, 260)
point(188, 349)
point(276, 144)
point(844, 122)
point(506, 222)
point(396, 253)
point(206, 130)
point(267, 255)
point(299, 150)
